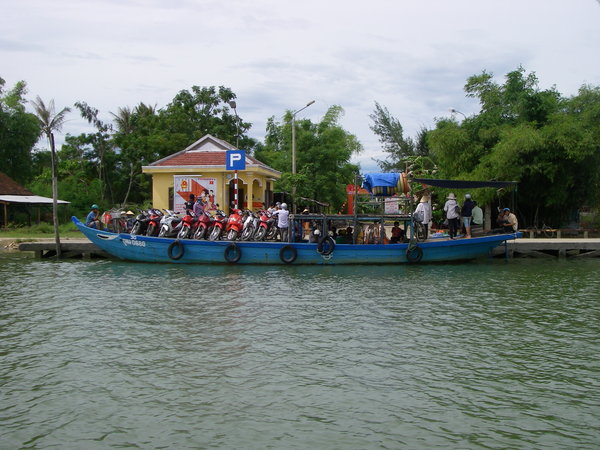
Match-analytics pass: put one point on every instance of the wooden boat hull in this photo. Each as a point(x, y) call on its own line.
point(155, 249)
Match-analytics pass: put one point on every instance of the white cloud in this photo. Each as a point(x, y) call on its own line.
point(412, 57)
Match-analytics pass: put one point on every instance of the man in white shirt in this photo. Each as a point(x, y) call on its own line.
point(283, 221)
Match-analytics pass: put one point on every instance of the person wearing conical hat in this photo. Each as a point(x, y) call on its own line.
point(424, 208)
point(452, 210)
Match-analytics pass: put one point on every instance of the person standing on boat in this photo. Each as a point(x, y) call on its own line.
point(93, 218)
point(424, 207)
point(452, 210)
point(467, 212)
point(199, 206)
point(282, 221)
point(189, 205)
point(274, 208)
point(476, 217)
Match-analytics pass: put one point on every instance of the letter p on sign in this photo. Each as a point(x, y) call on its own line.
point(236, 160)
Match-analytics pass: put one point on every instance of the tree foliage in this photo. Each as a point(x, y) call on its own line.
point(105, 166)
point(548, 143)
point(19, 131)
point(323, 152)
point(402, 151)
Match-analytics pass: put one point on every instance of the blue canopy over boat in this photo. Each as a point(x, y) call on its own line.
point(381, 183)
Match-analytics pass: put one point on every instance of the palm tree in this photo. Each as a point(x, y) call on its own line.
point(49, 122)
point(123, 119)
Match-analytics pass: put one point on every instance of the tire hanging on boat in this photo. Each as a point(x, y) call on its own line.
point(232, 253)
point(288, 254)
point(180, 250)
point(326, 246)
point(414, 254)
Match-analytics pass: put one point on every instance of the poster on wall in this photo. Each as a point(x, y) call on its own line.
point(184, 185)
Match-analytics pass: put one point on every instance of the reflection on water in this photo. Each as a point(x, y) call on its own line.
point(98, 354)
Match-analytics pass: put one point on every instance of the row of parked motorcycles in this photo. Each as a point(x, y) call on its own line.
point(243, 225)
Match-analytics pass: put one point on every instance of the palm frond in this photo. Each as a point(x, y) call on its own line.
point(49, 121)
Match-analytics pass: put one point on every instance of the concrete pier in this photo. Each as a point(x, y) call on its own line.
point(69, 249)
point(551, 248)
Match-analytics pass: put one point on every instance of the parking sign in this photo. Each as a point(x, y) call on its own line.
point(235, 160)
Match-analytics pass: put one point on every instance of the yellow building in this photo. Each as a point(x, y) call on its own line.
point(200, 170)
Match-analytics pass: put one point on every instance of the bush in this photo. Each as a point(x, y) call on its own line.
point(42, 227)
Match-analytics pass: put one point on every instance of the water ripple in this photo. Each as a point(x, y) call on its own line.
point(98, 354)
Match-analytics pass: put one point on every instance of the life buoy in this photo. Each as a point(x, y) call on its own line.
point(326, 246)
point(180, 252)
point(232, 253)
point(414, 255)
point(288, 254)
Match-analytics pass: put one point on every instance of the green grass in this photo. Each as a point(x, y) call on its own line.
point(42, 230)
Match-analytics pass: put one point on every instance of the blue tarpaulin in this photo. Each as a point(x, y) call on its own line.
point(381, 183)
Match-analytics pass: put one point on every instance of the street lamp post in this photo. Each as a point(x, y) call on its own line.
point(456, 111)
point(233, 106)
point(294, 151)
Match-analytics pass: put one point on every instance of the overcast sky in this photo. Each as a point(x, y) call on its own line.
point(411, 56)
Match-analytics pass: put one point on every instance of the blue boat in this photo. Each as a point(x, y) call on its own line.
point(326, 252)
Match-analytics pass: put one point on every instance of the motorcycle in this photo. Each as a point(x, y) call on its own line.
point(204, 226)
point(264, 225)
point(188, 224)
point(250, 226)
point(272, 232)
point(170, 224)
point(141, 223)
point(235, 224)
point(218, 227)
point(154, 222)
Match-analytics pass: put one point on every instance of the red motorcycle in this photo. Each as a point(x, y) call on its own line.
point(154, 223)
point(263, 226)
point(235, 223)
point(218, 227)
point(188, 223)
point(203, 226)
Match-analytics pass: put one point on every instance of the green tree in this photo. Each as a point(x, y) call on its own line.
point(323, 152)
point(102, 153)
point(402, 151)
point(50, 122)
point(549, 144)
point(204, 110)
point(19, 131)
point(144, 134)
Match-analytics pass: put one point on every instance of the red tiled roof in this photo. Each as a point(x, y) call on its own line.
point(8, 186)
point(194, 158)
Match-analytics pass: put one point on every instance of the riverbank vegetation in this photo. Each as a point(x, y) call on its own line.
point(547, 142)
point(41, 230)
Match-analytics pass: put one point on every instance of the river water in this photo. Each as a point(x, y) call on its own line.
point(496, 354)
